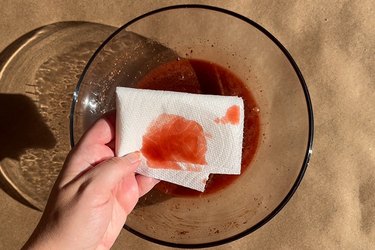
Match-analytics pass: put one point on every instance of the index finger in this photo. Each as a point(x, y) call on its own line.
point(102, 132)
point(90, 150)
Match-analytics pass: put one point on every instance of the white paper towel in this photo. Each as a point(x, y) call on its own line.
point(169, 127)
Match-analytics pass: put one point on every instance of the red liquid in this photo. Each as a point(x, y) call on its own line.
point(171, 139)
point(198, 76)
point(232, 116)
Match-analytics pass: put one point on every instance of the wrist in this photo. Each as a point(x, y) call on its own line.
point(41, 240)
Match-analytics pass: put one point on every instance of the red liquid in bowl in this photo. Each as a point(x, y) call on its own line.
point(203, 77)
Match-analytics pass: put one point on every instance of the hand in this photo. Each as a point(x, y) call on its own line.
point(92, 196)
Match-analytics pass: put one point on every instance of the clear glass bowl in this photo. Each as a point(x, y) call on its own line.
point(259, 59)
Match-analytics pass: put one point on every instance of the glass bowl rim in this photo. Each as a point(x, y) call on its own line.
point(308, 151)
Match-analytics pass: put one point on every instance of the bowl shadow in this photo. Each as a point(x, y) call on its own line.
point(21, 128)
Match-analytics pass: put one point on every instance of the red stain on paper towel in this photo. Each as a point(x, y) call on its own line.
point(171, 139)
point(232, 116)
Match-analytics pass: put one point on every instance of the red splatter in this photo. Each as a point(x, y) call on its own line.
point(171, 139)
point(232, 116)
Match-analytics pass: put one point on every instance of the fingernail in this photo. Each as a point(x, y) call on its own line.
point(133, 157)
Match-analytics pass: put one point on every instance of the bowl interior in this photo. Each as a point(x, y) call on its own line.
point(269, 73)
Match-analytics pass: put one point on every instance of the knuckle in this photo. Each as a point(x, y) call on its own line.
point(115, 161)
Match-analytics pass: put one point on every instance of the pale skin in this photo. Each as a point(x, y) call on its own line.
point(93, 194)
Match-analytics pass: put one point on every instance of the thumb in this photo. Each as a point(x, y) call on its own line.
point(108, 174)
point(103, 180)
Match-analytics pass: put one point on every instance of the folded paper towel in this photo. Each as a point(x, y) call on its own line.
point(183, 138)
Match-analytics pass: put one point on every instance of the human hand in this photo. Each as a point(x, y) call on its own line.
point(93, 194)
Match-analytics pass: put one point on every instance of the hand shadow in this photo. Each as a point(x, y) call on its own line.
point(21, 127)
